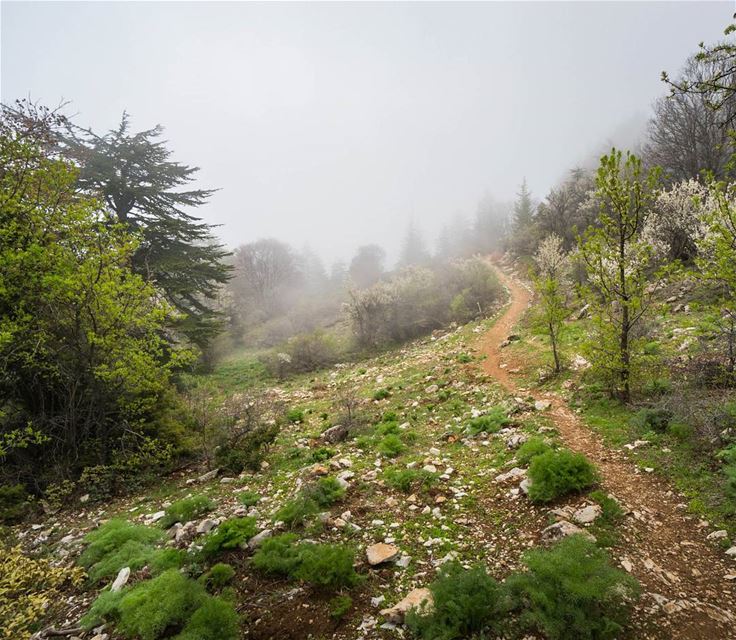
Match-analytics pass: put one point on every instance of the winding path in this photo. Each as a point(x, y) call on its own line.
point(689, 584)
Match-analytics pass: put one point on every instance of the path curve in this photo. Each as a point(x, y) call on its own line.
point(686, 593)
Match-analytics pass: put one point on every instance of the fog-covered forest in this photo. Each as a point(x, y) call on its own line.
point(376, 365)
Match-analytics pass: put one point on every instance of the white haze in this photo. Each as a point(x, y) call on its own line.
point(335, 124)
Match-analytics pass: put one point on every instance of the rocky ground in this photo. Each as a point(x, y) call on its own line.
point(474, 509)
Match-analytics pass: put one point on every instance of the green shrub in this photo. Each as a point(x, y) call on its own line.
point(408, 480)
point(218, 576)
point(657, 387)
point(248, 451)
point(249, 498)
point(390, 416)
point(364, 442)
point(186, 509)
point(295, 512)
point(489, 422)
point(215, 619)
point(117, 544)
point(558, 473)
point(386, 427)
point(465, 602)
point(381, 394)
point(104, 608)
point(325, 492)
point(163, 559)
point(391, 446)
point(680, 430)
point(571, 592)
point(14, 503)
point(323, 565)
point(295, 415)
point(530, 449)
point(278, 555)
point(464, 358)
point(153, 606)
point(322, 454)
point(229, 535)
point(340, 606)
point(656, 420)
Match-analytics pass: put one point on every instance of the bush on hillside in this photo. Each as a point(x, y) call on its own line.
point(186, 509)
point(489, 422)
point(557, 473)
point(530, 449)
point(466, 602)
point(571, 592)
point(229, 535)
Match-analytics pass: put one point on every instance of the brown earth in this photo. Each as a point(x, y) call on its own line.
point(688, 583)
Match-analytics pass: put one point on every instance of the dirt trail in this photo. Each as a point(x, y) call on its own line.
point(686, 593)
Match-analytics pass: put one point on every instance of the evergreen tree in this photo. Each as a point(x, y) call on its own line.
point(413, 250)
point(134, 175)
point(523, 208)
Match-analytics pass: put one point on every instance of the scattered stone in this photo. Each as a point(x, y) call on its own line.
point(524, 486)
point(335, 434)
point(542, 405)
point(434, 451)
point(515, 474)
point(433, 388)
point(378, 601)
point(562, 529)
point(226, 480)
point(515, 440)
point(258, 539)
point(722, 534)
point(626, 564)
point(85, 498)
point(429, 468)
point(731, 552)
point(155, 517)
point(381, 552)
point(206, 525)
point(636, 444)
point(586, 515)
point(121, 580)
point(205, 477)
point(319, 470)
point(418, 598)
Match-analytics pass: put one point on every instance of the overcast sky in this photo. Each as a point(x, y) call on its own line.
point(333, 124)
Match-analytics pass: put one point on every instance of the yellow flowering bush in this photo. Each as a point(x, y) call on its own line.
point(27, 588)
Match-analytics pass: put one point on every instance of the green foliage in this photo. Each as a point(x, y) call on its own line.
point(249, 498)
point(381, 394)
point(321, 454)
point(83, 339)
point(14, 504)
point(391, 446)
point(571, 592)
point(656, 420)
point(117, 544)
point(465, 602)
point(215, 619)
point(408, 480)
point(324, 492)
point(489, 422)
point(323, 565)
point(186, 509)
point(557, 473)
point(387, 427)
point(218, 576)
point(530, 449)
point(248, 450)
point(464, 358)
point(229, 535)
point(340, 606)
point(295, 415)
point(604, 528)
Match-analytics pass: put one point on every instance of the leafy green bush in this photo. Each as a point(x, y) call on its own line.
point(215, 619)
point(325, 492)
point(530, 449)
point(295, 512)
point(278, 555)
point(489, 422)
point(465, 602)
point(13, 503)
point(248, 451)
point(656, 420)
point(558, 473)
point(153, 606)
point(364, 442)
point(571, 592)
point(321, 454)
point(339, 606)
point(218, 576)
point(295, 415)
point(231, 534)
point(464, 358)
point(386, 427)
point(186, 509)
point(391, 446)
point(117, 544)
point(390, 416)
point(381, 394)
point(248, 498)
point(323, 565)
point(408, 480)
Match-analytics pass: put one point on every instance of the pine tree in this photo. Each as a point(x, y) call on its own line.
point(413, 250)
point(134, 175)
point(523, 208)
